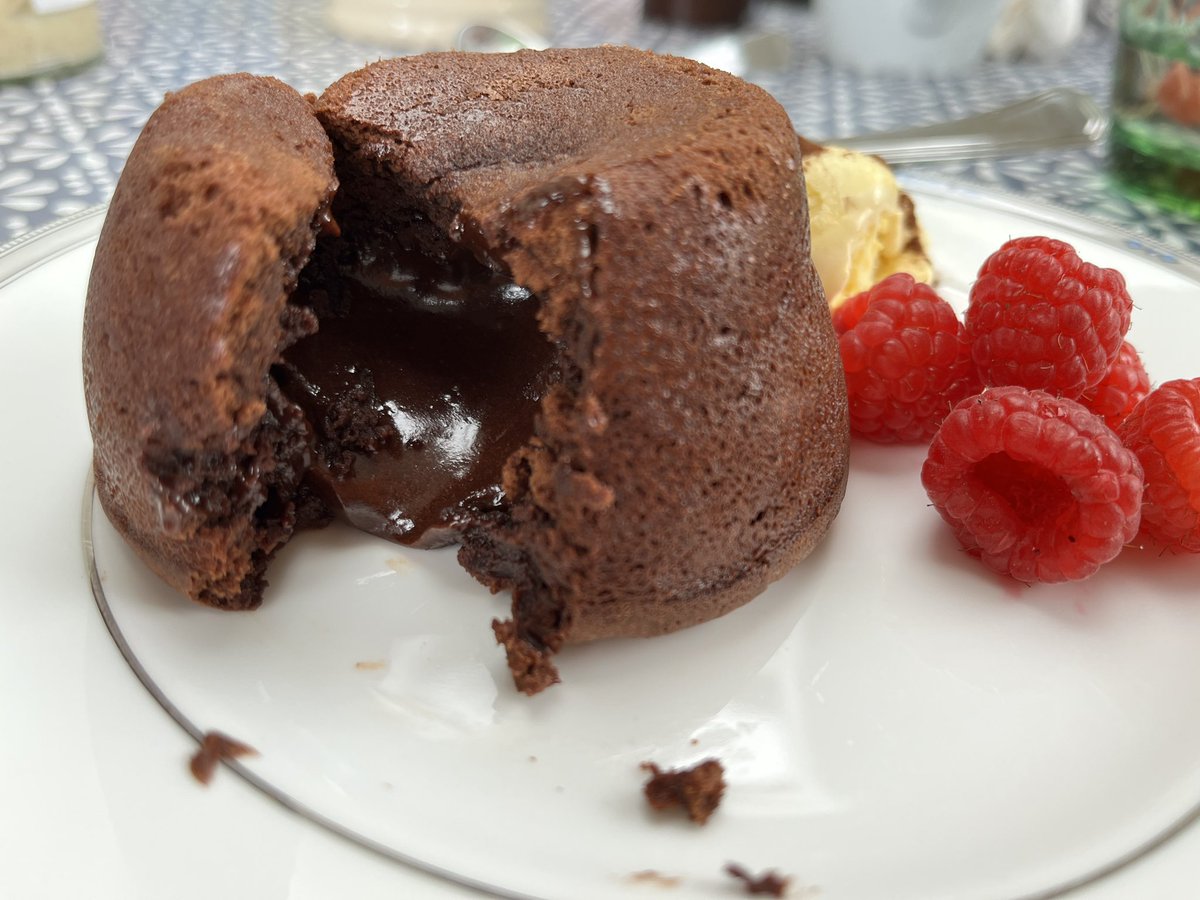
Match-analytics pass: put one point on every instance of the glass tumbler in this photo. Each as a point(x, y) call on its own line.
point(47, 37)
point(1154, 145)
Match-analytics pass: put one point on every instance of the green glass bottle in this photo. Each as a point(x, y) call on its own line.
point(1154, 145)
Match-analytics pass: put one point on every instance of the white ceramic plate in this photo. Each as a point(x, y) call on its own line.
point(894, 721)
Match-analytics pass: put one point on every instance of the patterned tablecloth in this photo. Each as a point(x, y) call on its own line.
point(63, 142)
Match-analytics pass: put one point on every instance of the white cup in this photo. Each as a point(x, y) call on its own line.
point(907, 36)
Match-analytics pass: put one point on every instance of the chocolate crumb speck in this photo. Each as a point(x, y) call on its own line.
point(216, 747)
point(769, 884)
point(355, 422)
point(697, 790)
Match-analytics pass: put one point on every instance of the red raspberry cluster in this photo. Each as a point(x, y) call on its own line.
point(1049, 451)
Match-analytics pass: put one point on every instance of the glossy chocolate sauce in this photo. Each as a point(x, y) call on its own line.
point(424, 381)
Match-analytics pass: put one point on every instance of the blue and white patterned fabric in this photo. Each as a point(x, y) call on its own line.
point(63, 142)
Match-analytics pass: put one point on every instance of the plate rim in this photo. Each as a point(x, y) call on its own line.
point(1100, 231)
point(37, 248)
point(259, 783)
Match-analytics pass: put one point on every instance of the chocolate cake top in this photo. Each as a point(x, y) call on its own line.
point(475, 130)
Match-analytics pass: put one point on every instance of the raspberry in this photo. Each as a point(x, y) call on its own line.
point(850, 310)
point(905, 360)
point(1164, 433)
point(1120, 390)
point(1035, 485)
point(1042, 318)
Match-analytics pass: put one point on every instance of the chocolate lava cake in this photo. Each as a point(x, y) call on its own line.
point(555, 306)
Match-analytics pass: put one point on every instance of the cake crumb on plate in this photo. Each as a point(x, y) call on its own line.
point(697, 789)
point(770, 883)
point(216, 747)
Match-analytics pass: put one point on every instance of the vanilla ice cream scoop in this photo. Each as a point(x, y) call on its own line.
point(863, 226)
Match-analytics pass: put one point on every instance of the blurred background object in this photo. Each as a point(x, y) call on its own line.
point(416, 25)
point(907, 36)
point(1037, 29)
point(1154, 146)
point(1059, 118)
point(696, 12)
point(43, 37)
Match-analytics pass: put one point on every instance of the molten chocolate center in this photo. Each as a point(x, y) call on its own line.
point(425, 375)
